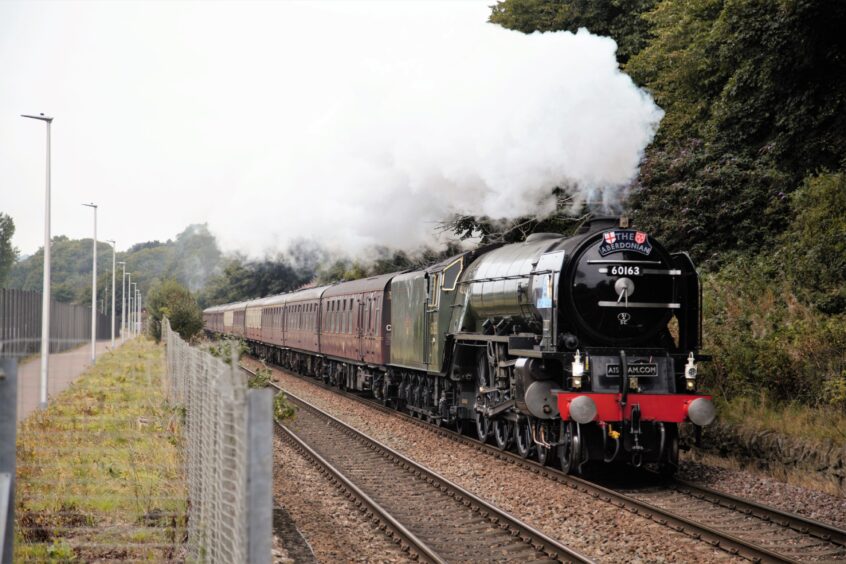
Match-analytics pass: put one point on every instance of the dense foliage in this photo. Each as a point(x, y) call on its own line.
point(755, 100)
point(243, 279)
point(191, 258)
point(777, 321)
point(613, 18)
point(168, 298)
point(8, 253)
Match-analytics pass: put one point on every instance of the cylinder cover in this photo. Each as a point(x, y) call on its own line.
point(540, 400)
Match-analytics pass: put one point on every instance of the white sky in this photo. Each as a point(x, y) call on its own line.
point(172, 113)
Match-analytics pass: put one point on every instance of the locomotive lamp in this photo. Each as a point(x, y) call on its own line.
point(578, 370)
point(633, 383)
point(690, 373)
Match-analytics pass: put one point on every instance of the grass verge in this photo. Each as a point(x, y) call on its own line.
point(100, 471)
point(815, 424)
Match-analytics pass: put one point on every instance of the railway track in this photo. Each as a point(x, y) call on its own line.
point(747, 529)
point(787, 535)
point(434, 519)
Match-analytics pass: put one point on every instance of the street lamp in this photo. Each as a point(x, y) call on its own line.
point(123, 300)
point(129, 304)
point(114, 250)
point(94, 290)
point(45, 290)
point(134, 293)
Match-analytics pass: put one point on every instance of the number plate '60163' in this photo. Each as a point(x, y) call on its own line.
point(624, 270)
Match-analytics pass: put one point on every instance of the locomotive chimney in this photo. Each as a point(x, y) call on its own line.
point(598, 223)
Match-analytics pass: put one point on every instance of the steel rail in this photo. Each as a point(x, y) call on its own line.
point(799, 523)
point(422, 551)
point(533, 537)
point(713, 536)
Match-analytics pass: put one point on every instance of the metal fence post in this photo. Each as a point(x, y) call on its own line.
point(259, 476)
point(8, 428)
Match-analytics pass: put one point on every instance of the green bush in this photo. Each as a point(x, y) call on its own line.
point(224, 349)
point(171, 299)
point(282, 408)
point(261, 378)
point(775, 323)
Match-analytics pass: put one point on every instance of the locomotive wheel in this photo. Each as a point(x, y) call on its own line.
point(483, 427)
point(523, 438)
point(461, 426)
point(503, 432)
point(383, 393)
point(569, 449)
point(543, 453)
point(670, 464)
point(483, 424)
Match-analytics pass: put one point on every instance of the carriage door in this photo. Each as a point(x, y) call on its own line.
point(360, 328)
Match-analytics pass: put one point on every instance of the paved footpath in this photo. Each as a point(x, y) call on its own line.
point(64, 368)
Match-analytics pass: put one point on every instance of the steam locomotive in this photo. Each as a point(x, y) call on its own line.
point(579, 349)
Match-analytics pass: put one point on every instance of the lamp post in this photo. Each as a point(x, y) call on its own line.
point(134, 293)
point(123, 300)
point(129, 304)
point(45, 290)
point(114, 250)
point(139, 312)
point(94, 289)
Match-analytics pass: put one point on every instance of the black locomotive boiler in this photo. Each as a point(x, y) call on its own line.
point(581, 348)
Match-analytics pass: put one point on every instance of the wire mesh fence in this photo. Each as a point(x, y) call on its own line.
point(20, 324)
point(228, 454)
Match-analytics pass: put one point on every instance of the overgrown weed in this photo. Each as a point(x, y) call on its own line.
point(102, 459)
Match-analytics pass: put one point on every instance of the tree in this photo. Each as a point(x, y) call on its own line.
point(171, 299)
point(817, 241)
point(8, 253)
point(195, 257)
point(493, 230)
point(244, 279)
point(618, 19)
point(755, 101)
point(190, 259)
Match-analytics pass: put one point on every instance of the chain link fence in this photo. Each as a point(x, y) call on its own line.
point(228, 454)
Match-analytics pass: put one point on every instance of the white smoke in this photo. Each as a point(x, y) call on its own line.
point(471, 119)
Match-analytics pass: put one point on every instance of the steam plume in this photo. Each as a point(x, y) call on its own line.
point(479, 120)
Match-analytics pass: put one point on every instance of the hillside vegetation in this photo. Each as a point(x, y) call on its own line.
point(192, 258)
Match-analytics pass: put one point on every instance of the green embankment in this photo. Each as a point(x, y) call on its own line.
point(100, 471)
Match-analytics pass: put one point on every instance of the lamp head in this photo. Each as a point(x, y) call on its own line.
point(41, 117)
